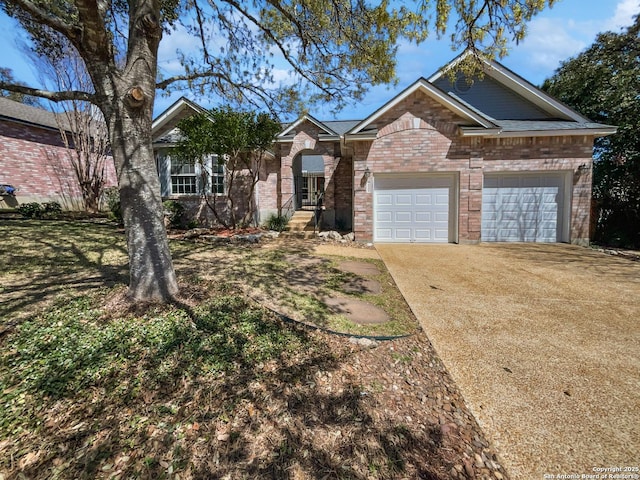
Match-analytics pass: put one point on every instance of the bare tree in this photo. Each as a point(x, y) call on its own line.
point(82, 126)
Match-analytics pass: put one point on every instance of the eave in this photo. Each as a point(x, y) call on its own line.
point(436, 94)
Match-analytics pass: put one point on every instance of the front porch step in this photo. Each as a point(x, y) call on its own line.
point(305, 235)
point(301, 221)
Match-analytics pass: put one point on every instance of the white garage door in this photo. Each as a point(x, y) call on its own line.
point(523, 208)
point(412, 209)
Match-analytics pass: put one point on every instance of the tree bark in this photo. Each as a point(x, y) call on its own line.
point(152, 277)
point(126, 98)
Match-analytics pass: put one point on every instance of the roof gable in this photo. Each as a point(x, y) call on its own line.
point(166, 122)
point(492, 98)
point(307, 118)
point(533, 102)
point(471, 116)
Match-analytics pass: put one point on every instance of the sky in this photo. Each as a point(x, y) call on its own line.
point(554, 35)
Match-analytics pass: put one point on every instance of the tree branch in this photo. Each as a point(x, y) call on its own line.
point(294, 64)
point(186, 78)
point(67, 29)
point(49, 95)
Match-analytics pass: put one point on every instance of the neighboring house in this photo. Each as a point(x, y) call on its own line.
point(495, 160)
point(34, 159)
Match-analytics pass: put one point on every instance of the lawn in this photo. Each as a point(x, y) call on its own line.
point(214, 385)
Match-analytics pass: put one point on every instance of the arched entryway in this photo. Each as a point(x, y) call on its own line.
point(309, 180)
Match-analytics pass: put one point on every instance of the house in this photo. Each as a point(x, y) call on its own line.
point(186, 181)
point(442, 161)
point(34, 159)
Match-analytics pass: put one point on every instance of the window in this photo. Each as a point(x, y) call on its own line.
point(217, 178)
point(183, 177)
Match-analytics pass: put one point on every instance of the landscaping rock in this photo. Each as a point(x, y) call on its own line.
point(213, 239)
point(330, 235)
point(350, 237)
point(195, 233)
point(251, 238)
point(364, 342)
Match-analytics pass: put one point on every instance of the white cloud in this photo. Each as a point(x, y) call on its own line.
point(551, 40)
point(179, 39)
point(623, 16)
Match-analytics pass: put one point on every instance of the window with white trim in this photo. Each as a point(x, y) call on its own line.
point(184, 180)
point(217, 178)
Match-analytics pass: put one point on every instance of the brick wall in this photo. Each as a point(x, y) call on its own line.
point(268, 195)
point(36, 162)
point(420, 136)
point(201, 210)
point(337, 200)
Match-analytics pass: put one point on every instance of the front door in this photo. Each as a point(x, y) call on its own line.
point(308, 188)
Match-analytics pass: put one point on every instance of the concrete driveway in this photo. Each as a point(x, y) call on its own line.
point(544, 343)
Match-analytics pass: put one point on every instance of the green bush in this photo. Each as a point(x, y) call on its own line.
point(52, 209)
point(174, 212)
point(37, 210)
point(276, 222)
point(112, 197)
point(31, 210)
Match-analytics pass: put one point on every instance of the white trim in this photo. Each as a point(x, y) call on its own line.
point(517, 84)
point(433, 92)
point(166, 116)
point(360, 136)
point(480, 132)
point(596, 132)
point(308, 117)
point(449, 66)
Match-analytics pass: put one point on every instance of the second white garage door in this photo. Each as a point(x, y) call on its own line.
point(523, 208)
point(415, 209)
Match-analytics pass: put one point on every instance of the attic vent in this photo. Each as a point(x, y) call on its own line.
point(461, 85)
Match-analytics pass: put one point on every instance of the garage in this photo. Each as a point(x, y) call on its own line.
point(413, 209)
point(525, 207)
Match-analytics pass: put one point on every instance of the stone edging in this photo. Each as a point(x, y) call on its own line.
point(365, 340)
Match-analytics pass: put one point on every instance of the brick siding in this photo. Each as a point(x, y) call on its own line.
point(36, 162)
point(337, 172)
point(420, 136)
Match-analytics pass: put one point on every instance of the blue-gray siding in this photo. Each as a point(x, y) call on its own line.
point(493, 99)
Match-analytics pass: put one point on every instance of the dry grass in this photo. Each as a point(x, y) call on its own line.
point(213, 386)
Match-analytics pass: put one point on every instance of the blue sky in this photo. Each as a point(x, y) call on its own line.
point(553, 36)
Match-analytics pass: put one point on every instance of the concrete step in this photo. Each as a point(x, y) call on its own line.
point(298, 234)
point(301, 221)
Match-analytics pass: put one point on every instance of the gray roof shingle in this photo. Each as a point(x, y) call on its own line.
point(546, 125)
point(341, 126)
point(12, 110)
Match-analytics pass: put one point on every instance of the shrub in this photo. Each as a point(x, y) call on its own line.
point(51, 209)
point(174, 212)
point(31, 210)
point(193, 224)
point(112, 197)
point(276, 222)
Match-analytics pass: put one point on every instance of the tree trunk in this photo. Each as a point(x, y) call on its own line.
point(127, 105)
point(126, 96)
point(152, 277)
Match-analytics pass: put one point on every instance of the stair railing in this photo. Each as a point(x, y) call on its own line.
point(289, 207)
point(318, 211)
